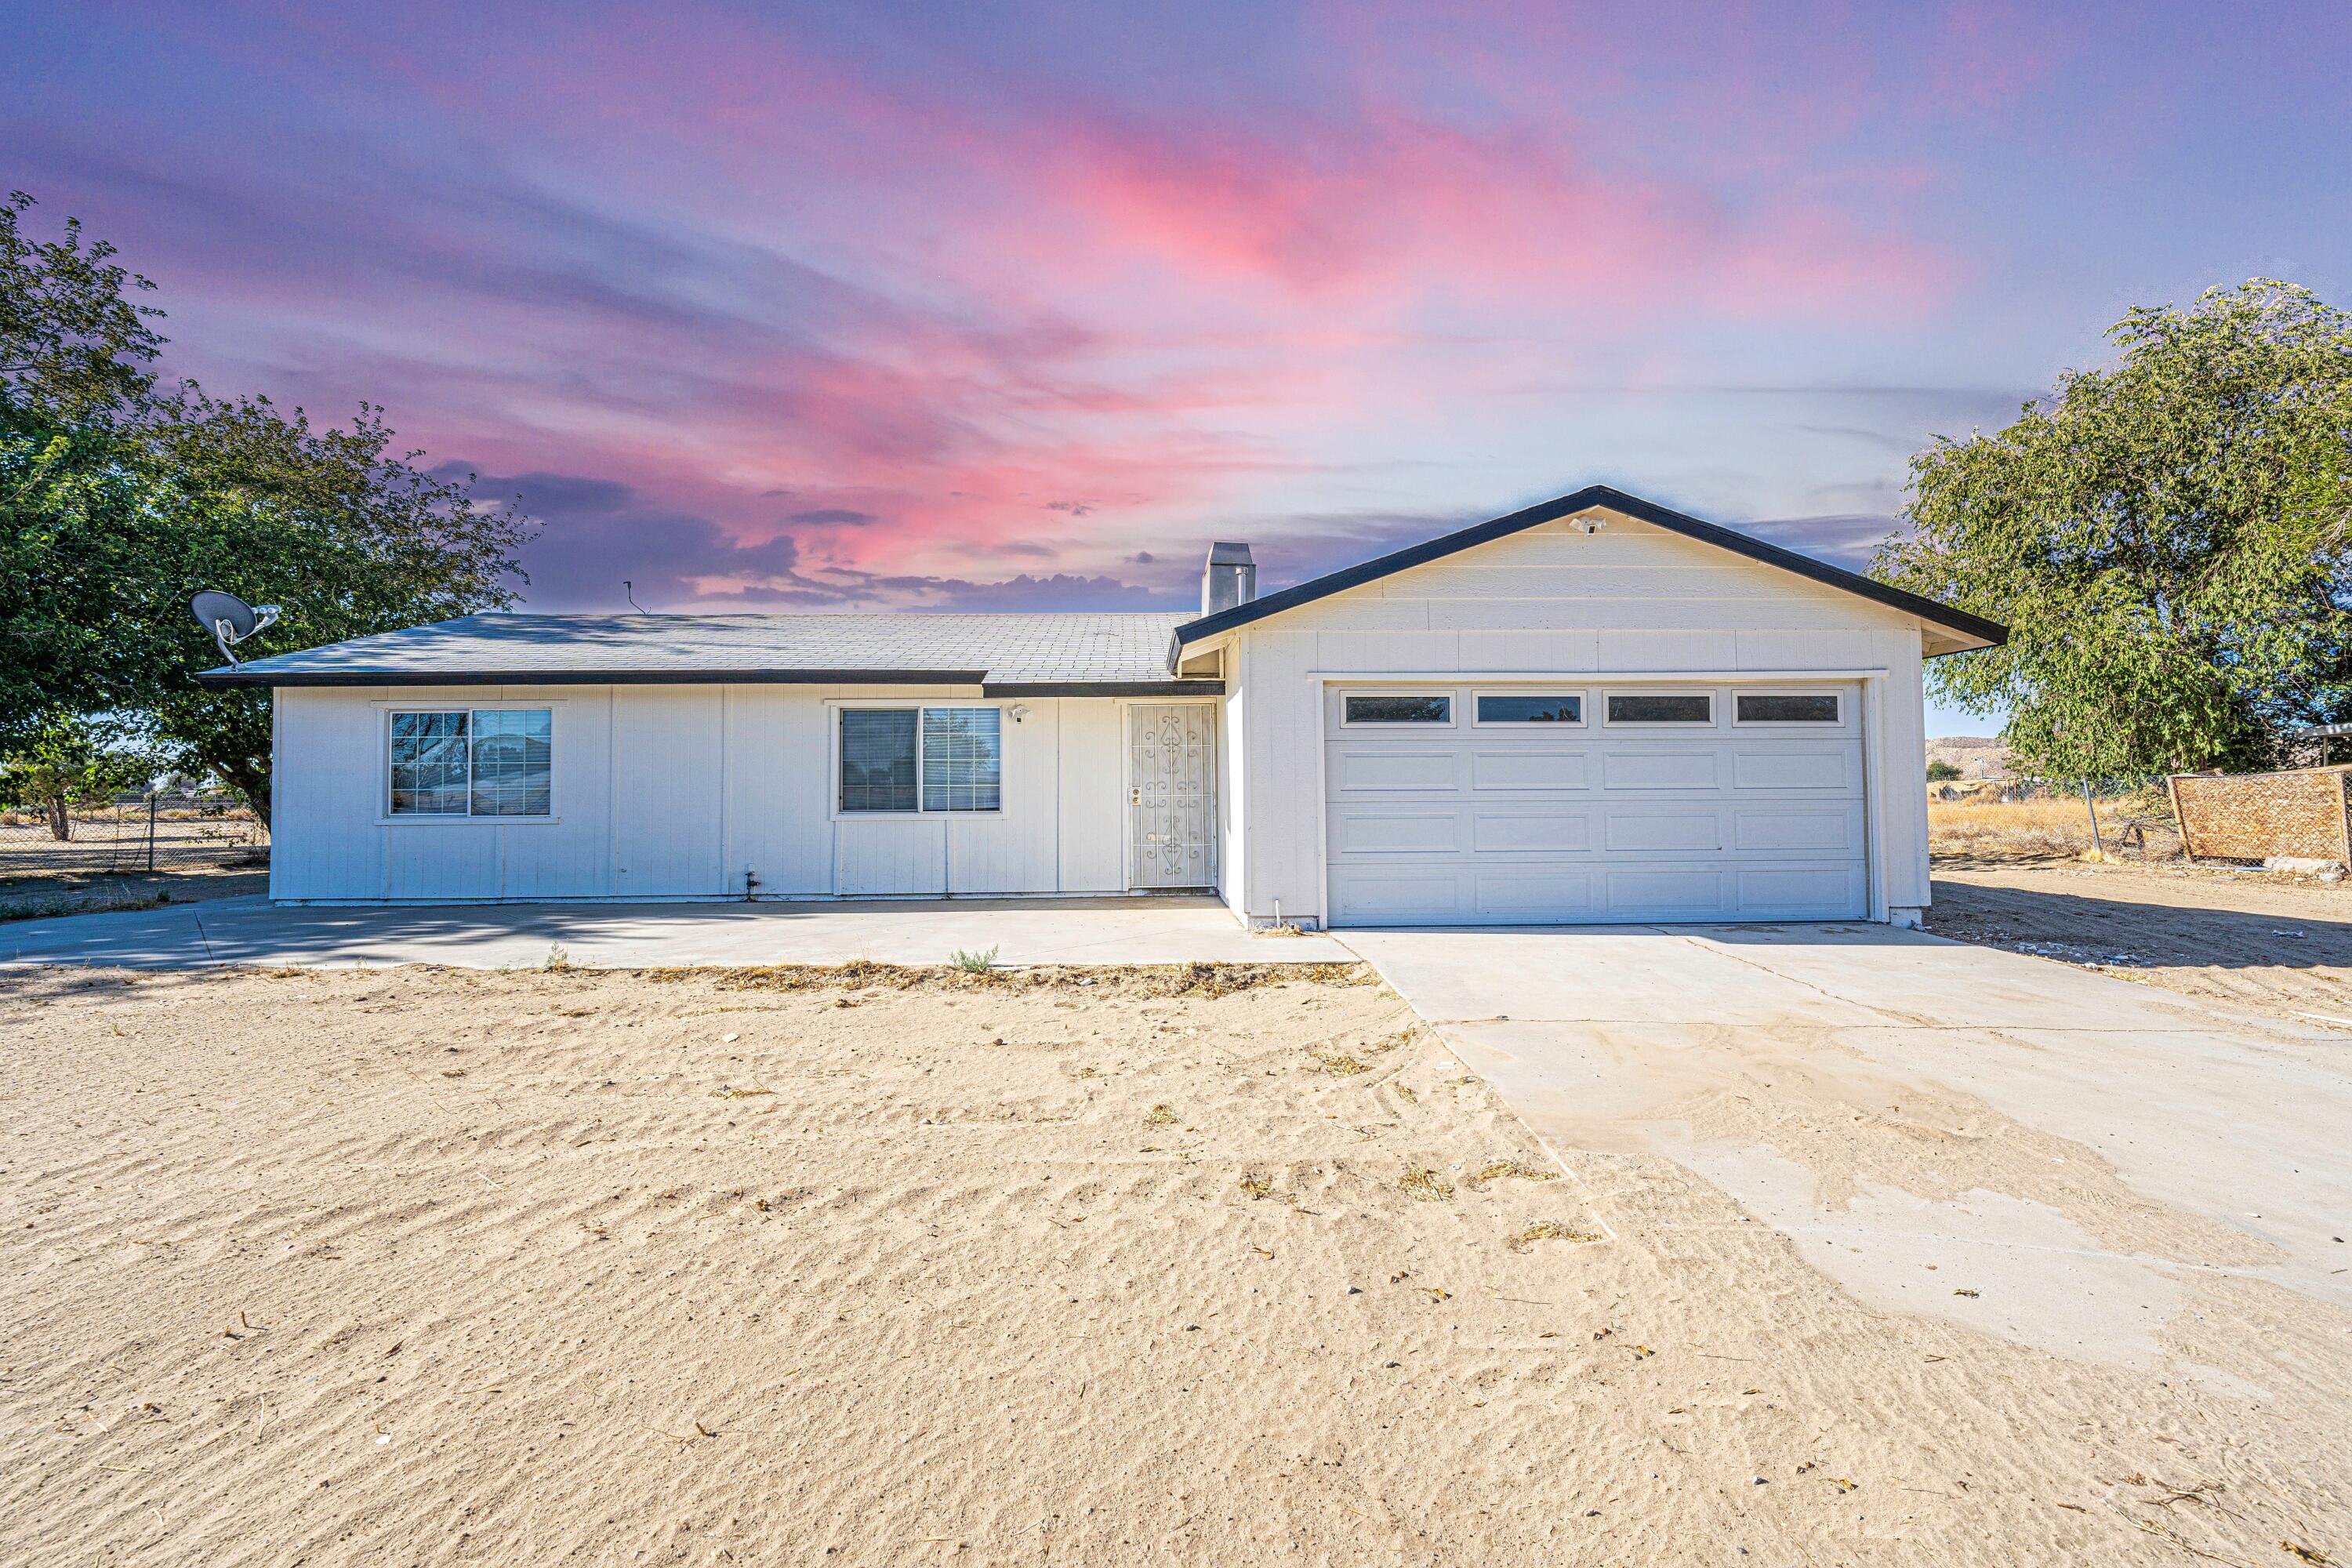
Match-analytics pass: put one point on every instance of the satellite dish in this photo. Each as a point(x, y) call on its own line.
point(229, 619)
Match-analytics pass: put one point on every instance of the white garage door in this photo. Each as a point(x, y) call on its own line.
point(1532, 806)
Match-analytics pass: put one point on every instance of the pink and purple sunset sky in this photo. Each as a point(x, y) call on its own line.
point(814, 307)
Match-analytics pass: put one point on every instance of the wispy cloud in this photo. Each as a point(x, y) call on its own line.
point(843, 305)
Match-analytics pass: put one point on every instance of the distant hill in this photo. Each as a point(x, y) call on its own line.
point(1974, 755)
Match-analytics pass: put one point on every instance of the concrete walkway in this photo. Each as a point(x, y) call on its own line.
point(1022, 931)
point(2033, 1150)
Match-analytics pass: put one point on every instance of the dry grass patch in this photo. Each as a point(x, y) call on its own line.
point(1143, 980)
point(1420, 1181)
point(1512, 1170)
point(1549, 1230)
point(2037, 829)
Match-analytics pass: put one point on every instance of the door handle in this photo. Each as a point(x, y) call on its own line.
point(1135, 797)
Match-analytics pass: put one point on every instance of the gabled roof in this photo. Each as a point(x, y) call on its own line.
point(1975, 630)
point(1008, 654)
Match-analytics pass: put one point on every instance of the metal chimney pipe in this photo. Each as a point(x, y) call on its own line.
point(1229, 579)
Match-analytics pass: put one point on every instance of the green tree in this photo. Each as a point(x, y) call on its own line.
point(2166, 539)
point(1942, 771)
point(119, 501)
point(75, 381)
point(344, 532)
point(72, 341)
point(68, 762)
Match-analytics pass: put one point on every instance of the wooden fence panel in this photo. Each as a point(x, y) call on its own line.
point(2254, 816)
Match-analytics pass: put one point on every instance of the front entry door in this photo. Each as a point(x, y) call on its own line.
point(1171, 794)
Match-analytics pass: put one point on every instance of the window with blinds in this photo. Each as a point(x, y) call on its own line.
point(513, 751)
point(962, 759)
point(921, 759)
point(878, 752)
point(491, 761)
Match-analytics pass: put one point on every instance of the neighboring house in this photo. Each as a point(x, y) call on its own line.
point(1594, 710)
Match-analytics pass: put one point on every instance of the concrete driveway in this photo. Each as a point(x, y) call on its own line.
point(1022, 931)
point(2044, 1153)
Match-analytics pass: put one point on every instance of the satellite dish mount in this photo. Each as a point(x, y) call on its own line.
point(230, 619)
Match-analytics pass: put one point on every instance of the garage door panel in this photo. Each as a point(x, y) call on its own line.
point(1693, 892)
point(1372, 769)
point(1638, 832)
point(1400, 832)
point(1660, 770)
point(1505, 898)
point(1528, 770)
point(1831, 768)
point(1830, 827)
point(1362, 899)
point(1797, 893)
point(1565, 833)
point(1481, 827)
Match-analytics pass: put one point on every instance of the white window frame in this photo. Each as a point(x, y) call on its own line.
point(1835, 696)
point(1712, 722)
point(917, 704)
point(1452, 709)
point(552, 705)
point(1583, 720)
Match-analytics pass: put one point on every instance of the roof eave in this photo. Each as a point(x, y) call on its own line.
point(252, 675)
point(230, 677)
point(1180, 688)
point(1990, 633)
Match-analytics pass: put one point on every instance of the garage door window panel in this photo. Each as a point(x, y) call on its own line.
point(1528, 710)
point(1396, 711)
point(1782, 710)
point(1685, 710)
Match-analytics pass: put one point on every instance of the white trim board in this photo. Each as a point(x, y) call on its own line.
point(1590, 676)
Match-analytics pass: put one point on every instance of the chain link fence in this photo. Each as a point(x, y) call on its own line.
point(156, 831)
point(2122, 818)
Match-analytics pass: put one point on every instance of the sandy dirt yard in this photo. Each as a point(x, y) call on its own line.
point(2275, 944)
point(430, 1266)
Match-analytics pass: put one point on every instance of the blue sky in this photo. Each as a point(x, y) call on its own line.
point(818, 307)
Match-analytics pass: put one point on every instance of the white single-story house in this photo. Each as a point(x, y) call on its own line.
point(1594, 710)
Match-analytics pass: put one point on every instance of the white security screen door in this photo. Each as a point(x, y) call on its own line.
point(1171, 794)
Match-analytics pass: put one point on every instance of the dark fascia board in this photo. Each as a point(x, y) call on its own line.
point(1103, 689)
point(1992, 633)
point(250, 676)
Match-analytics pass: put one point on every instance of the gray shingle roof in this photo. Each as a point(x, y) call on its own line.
point(995, 650)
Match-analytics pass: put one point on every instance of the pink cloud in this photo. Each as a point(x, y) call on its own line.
point(949, 302)
point(1396, 212)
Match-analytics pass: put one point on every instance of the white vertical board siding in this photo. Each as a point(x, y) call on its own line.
point(1231, 820)
point(1282, 785)
point(572, 855)
point(891, 856)
point(1902, 802)
point(325, 796)
point(779, 771)
point(1091, 796)
point(452, 861)
point(1553, 600)
point(1016, 848)
point(670, 749)
point(674, 792)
